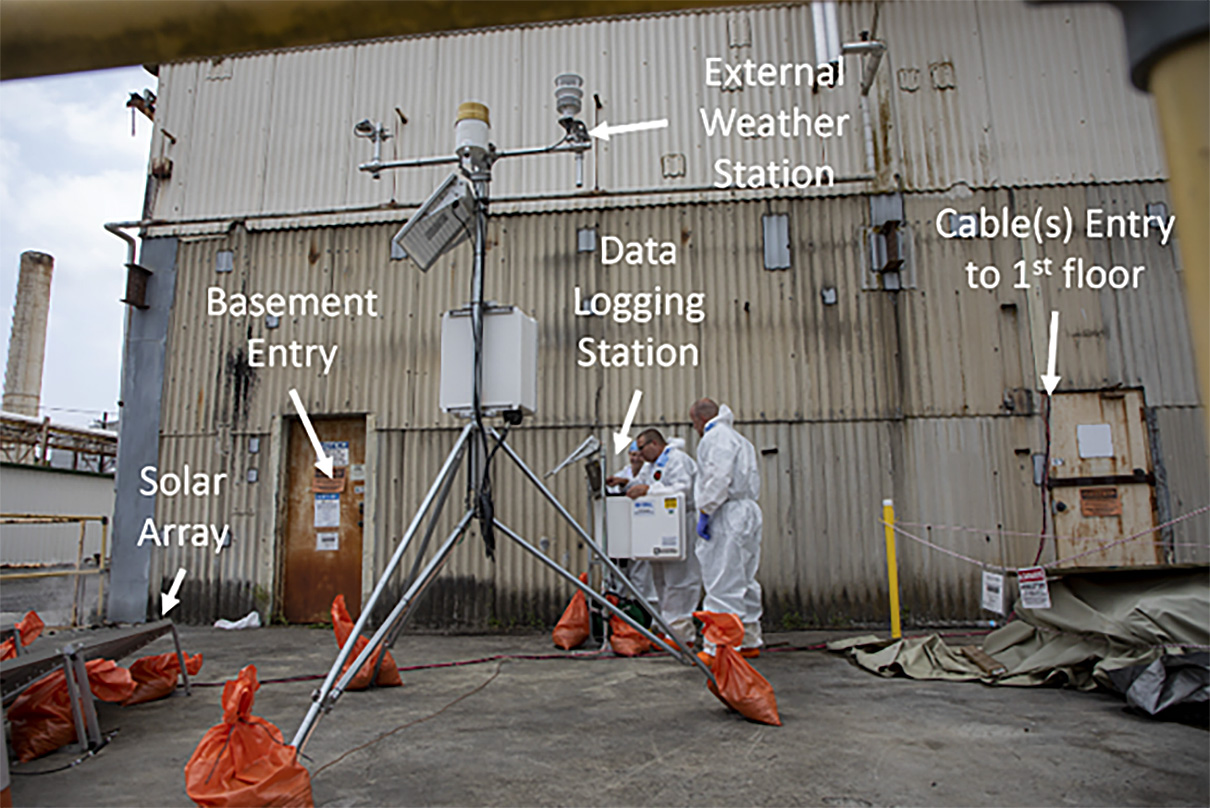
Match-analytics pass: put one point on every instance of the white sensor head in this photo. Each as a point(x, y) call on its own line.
point(568, 94)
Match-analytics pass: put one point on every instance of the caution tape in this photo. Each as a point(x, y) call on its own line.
point(1035, 535)
point(1050, 564)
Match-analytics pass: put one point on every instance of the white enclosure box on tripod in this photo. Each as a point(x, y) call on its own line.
point(510, 361)
point(651, 528)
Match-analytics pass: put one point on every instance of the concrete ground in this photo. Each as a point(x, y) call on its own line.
point(615, 731)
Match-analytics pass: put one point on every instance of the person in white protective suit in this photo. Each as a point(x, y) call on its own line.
point(626, 475)
point(677, 584)
point(729, 527)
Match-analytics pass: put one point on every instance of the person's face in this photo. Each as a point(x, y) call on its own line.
point(699, 424)
point(636, 460)
point(650, 450)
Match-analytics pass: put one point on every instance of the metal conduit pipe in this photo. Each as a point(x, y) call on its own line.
point(515, 198)
point(874, 50)
point(117, 229)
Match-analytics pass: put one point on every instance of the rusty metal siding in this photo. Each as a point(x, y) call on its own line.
point(966, 351)
point(768, 343)
point(999, 94)
point(269, 135)
point(1182, 434)
point(878, 395)
point(230, 583)
point(1129, 337)
point(967, 472)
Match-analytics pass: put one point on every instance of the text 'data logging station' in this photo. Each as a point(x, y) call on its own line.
point(649, 305)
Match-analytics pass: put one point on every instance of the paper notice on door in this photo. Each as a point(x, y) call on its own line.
point(993, 592)
point(327, 510)
point(338, 450)
point(327, 541)
point(357, 472)
point(1035, 593)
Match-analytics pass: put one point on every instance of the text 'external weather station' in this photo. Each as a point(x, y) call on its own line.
point(653, 303)
point(274, 306)
point(794, 123)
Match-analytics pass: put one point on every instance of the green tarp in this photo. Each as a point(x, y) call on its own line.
point(1097, 623)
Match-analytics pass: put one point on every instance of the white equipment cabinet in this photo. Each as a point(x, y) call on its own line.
point(650, 528)
point(510, 361)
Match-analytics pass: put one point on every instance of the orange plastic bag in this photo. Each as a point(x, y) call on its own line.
point(573, 627)
point(41, 717)
point(388, 673)
point(29, 628)
point(740, 687)
point(155, 676)
point(623, 639)
point(245, 760)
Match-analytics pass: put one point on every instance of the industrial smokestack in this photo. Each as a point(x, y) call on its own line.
point(27, 346)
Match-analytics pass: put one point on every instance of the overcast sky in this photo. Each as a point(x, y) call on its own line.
point(68, 164)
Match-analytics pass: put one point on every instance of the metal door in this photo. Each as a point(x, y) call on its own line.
point(1102, 481)
point(323, 536)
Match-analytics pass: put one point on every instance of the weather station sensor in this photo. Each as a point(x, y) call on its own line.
point(489, 368)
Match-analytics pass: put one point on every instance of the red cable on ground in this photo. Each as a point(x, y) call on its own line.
point(582, 655)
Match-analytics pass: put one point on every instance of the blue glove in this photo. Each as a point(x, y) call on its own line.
point(703, 526)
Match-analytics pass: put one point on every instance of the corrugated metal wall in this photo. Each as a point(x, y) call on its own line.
point(271, 134)
point(925, 395)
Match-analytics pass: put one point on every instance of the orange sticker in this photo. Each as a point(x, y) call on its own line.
point(323, 484)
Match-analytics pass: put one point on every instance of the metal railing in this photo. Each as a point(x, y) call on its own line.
point(80, 571)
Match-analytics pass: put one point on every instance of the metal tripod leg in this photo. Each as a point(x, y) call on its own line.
point(688, 655)
point(327, 696)
point(180, 658)
point(415, 590)
point(590, 592)
point(394, 631)
point(449, 467)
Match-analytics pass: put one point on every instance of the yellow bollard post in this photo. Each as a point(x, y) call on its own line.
point(892, 566)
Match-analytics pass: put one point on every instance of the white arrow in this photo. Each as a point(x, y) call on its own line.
point(622, 439)
point(1049, 379)
point(169, 599)
point(324, 463)
point(604, 130)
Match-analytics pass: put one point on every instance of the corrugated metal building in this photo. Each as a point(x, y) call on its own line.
point(849, 391)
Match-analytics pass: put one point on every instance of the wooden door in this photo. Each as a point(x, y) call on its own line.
point(1101, 480)
point(324, 517)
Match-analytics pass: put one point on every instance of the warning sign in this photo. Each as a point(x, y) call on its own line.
point(993, 592)
point(1100, 502)
point(323, 484)
point(1035, 593)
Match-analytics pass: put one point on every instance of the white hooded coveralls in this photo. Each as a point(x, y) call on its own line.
point(676, 585)
point(728, 485)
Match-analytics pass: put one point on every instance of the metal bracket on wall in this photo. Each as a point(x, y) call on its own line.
point(136, 286)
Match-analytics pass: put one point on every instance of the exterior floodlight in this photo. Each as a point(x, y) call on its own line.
point(568, 95)
point(445, 220)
